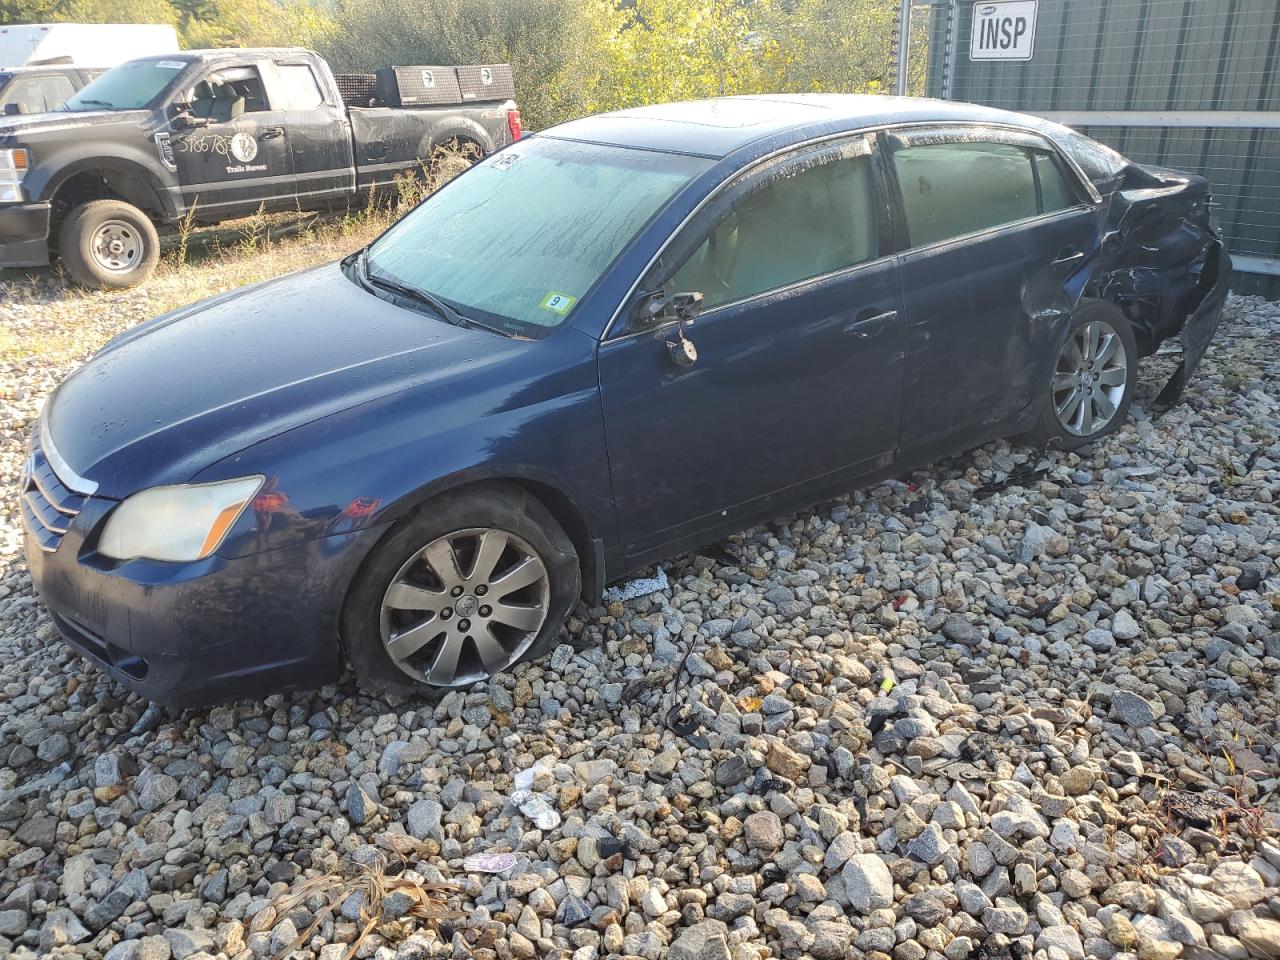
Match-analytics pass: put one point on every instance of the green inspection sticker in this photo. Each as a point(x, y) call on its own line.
point(560, 303)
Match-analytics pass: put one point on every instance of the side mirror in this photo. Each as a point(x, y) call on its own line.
point(184, 119)
point(657, 308)
point(15, 109)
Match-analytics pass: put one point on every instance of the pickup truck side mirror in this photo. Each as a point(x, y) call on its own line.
point(15, 109)
point(184, 119)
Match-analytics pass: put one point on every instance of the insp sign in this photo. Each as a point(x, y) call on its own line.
point(1003, 30)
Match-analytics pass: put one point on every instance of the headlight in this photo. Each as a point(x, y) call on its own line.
point(14, 163)
point(10, 192)
point(180, 523)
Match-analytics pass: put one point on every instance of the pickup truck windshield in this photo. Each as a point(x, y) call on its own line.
point(519, 239)
point(129, 86)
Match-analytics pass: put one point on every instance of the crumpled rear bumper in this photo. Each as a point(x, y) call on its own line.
point(1202, 322)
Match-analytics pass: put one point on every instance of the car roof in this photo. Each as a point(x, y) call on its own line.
point(226, 53)
point(721, 125)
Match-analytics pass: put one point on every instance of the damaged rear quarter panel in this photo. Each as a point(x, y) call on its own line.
point(1163, 262)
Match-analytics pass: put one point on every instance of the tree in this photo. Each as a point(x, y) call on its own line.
point(552, 45)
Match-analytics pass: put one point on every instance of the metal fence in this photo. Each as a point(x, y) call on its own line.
point(1189, 84)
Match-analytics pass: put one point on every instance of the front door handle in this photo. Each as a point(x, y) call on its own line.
point(270, 133)
point(1068, 256)
point(869, 323)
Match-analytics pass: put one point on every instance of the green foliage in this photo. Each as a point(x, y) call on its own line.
point(200, 23)
point(571, 57)
point(552, 45)
point(255, 23)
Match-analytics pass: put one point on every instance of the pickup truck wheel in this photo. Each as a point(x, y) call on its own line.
point(451, 158)
point(108, 243)
point(472, 584)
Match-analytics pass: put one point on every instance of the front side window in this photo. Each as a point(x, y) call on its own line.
point(520, 238)
point(228, 93)
point(807, 218)
point(129, 86)
point(300, 86)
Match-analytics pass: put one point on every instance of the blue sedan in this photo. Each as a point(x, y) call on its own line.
point(615, 340)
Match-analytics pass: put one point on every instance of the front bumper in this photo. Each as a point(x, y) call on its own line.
point(195, 634)
point(24, 235)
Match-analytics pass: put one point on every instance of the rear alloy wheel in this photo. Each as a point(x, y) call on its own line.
point(473, 583)
point(1092, 381)
point(466, 607)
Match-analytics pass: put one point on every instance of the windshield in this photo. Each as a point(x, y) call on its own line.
point(520, 239)
point(127, 87)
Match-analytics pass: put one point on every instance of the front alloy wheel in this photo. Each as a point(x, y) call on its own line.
point(469, 585)
point(466, 607)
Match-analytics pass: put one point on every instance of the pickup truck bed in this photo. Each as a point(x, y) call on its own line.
point(208, 135)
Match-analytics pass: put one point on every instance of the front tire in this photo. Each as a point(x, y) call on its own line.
point(1091, 382)
point(108, 243)
point(470, 585)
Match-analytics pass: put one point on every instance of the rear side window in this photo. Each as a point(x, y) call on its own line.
point(1055, 192)
point(300, 86)
point(950, 189)
point(813, 218)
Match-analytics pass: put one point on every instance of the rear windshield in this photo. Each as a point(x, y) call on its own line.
point(516, 242)
point(127, 87)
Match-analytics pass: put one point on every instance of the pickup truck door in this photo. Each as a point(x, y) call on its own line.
point(319, 136)
point(239, 160)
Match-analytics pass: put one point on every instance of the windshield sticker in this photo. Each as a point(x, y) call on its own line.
point(504, 161)
point(560, 303)
point(170, 64)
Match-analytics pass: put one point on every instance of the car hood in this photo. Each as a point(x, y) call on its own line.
point(40, 124)
point(172, 396)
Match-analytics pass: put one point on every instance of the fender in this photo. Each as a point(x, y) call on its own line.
point(145, 171)
point(456, 126)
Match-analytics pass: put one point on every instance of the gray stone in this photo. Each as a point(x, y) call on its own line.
point(868, 885)
point(959, 630)
point(424, 819)
point(1132, 709)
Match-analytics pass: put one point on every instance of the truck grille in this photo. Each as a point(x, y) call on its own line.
point(48, 504)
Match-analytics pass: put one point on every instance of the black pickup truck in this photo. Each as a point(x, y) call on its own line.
point(209, 135)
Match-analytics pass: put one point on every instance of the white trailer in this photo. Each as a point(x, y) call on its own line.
point(84, 44)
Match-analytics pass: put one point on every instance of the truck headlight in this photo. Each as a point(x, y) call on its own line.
point(14, 163)
point(179, 523)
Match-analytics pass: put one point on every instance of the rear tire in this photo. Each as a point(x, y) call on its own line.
point(1091, 382)
point(452, 158)
point(108, 243)
point(471, 584)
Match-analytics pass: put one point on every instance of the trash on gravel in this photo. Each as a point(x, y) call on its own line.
point(489, 862)
point(537, 808)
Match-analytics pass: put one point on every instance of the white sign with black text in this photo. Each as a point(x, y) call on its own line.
point(1003, 30)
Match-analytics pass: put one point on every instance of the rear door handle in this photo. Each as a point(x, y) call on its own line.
point(1068, 256)
point(869, 323)
point(270, 133)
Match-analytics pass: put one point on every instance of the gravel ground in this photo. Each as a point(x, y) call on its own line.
point(933, 719)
